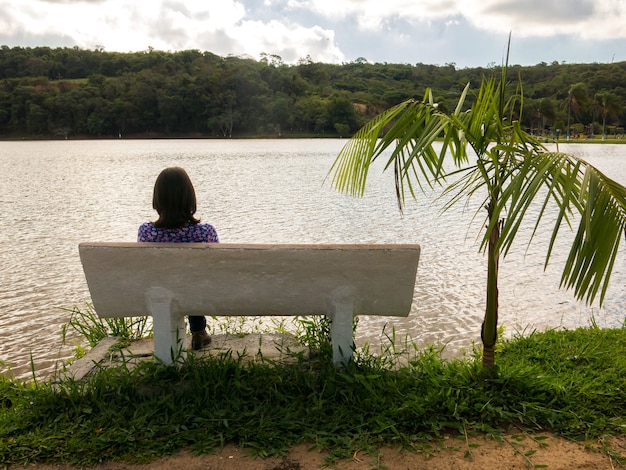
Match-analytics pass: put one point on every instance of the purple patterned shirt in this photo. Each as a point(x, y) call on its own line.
point(189, 233)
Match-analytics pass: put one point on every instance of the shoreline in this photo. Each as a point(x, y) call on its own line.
point(195, 136)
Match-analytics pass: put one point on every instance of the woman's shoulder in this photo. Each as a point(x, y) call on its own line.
point(147, 232)
point(147, 227)
point(208, 232)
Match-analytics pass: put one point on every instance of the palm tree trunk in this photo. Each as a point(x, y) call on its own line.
point(569, 111)
point(489, 332)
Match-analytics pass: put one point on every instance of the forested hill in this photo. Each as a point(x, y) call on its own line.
point(46, 92)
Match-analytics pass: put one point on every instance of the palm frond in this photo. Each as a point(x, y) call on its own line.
point(408, 130)
point(600, 230)
point(353, 162)
point(573, 187)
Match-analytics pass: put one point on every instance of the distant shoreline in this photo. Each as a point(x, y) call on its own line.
point(156, 136)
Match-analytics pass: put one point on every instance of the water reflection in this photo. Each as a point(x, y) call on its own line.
point(54, 195)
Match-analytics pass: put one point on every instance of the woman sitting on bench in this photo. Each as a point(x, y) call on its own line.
point(174, 199)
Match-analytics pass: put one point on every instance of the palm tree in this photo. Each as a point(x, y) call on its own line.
point(577, 98)
point(547, 111)
point(610, 105)
point(512, 170)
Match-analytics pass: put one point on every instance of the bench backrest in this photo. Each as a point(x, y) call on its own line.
point(239, 279)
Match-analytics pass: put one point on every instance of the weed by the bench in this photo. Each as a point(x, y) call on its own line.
point(87, 324)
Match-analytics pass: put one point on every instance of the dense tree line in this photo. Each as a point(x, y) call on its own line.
point(71, 91)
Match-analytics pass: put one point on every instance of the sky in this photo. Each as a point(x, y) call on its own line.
point(467, 33)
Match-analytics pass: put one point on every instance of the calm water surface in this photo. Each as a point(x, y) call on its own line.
point(56, 194)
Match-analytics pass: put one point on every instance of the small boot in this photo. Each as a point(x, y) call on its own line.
point(200, 339)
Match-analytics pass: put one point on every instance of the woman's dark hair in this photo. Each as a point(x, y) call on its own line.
point(174, 199)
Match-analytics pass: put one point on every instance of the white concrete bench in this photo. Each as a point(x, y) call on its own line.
point(171, 280)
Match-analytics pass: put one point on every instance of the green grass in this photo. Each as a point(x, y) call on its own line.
point(87, 324)
point(572, 383)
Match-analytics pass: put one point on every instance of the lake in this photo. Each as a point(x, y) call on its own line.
point(55, 194)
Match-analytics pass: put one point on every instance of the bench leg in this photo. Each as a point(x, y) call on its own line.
point(342, 313)
point(169, 330)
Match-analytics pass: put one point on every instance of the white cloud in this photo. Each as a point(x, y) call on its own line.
point(290, 41)
point(599, 19)
point(407, 31)
point(119, 25)
point(373, 14)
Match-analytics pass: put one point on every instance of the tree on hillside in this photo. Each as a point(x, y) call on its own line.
point(547, 111)
point(577, 99)
point(78, 88)
point(511, 171)
point(610, 105)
